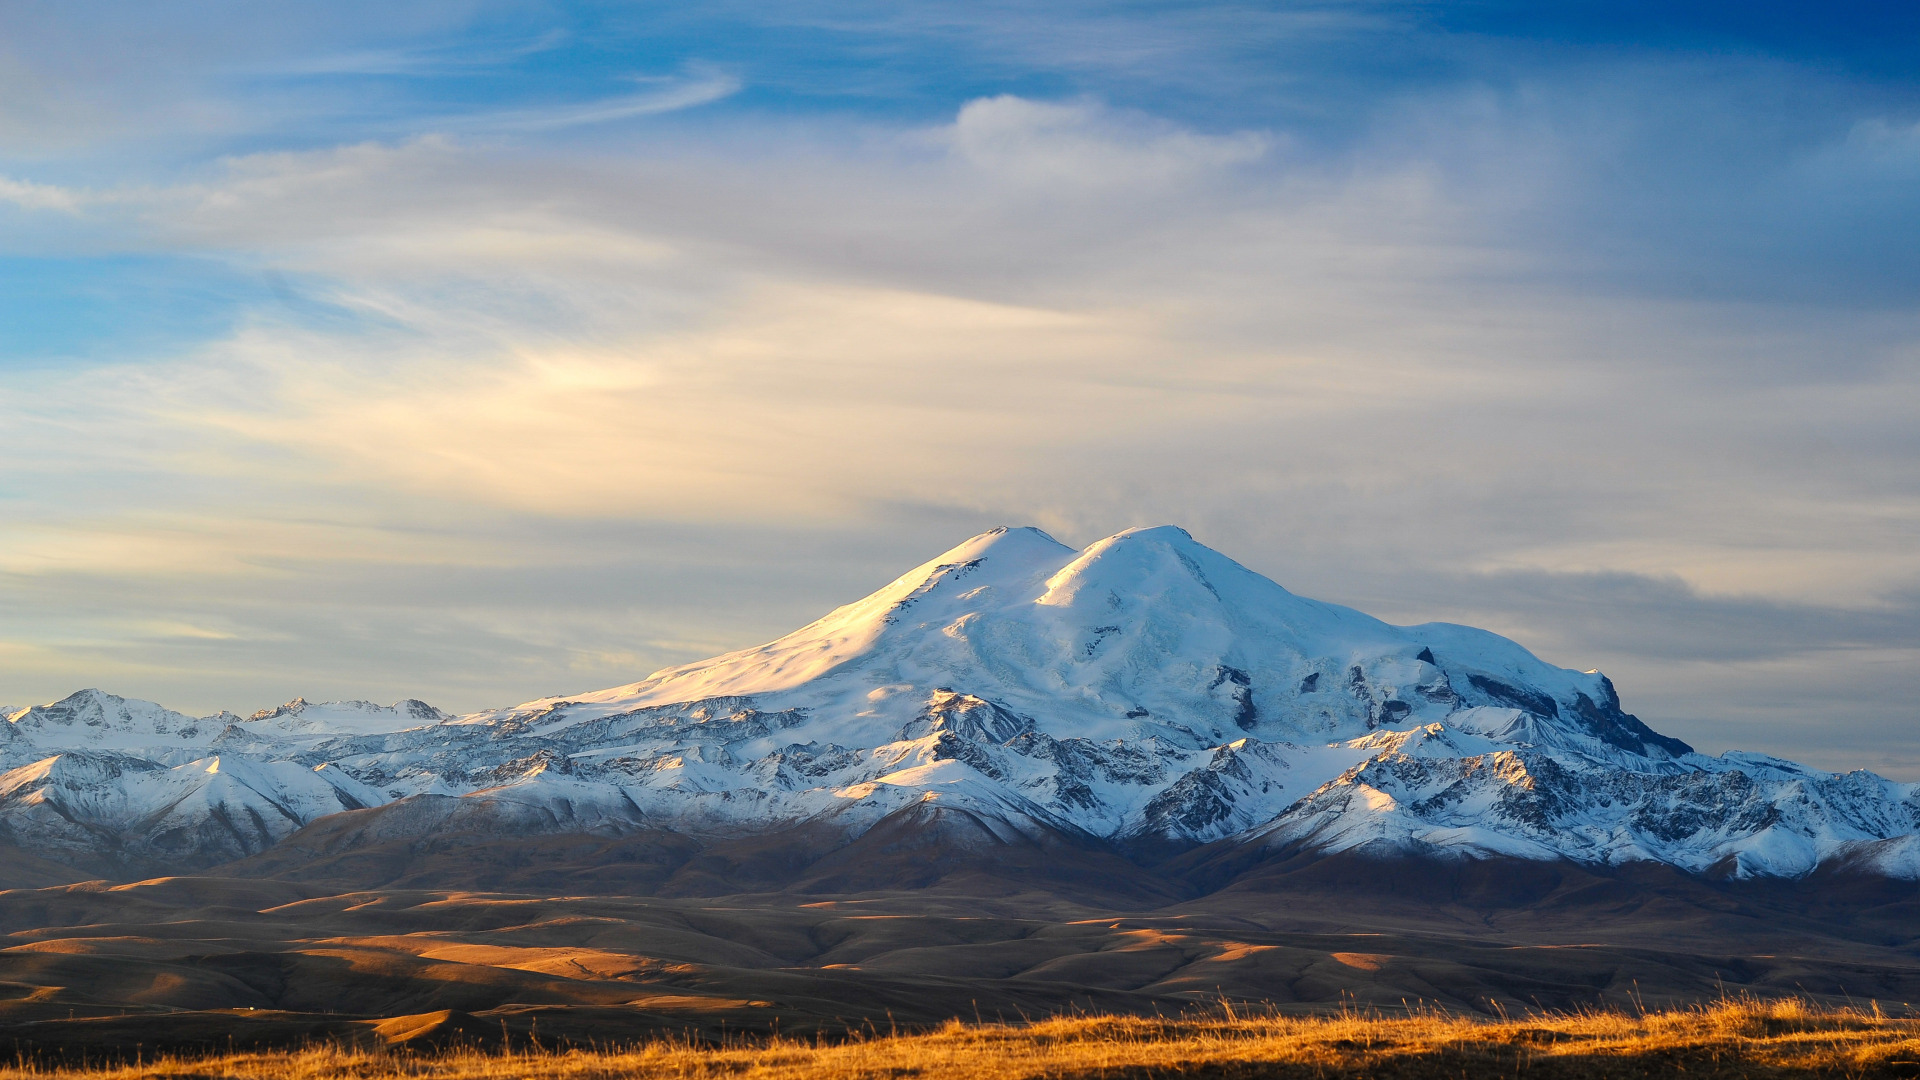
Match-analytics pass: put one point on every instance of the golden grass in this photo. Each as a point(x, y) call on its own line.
point(1735, 1038)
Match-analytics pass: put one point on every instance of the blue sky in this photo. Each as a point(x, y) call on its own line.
point(481, 351)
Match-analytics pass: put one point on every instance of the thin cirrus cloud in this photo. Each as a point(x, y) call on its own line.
point(1609, 349)
point(666, 94)
point(461, 58)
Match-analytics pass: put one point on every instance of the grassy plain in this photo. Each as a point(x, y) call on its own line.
point(1745, 1038)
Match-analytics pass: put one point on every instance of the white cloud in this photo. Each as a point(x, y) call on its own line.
point(30, 196)
point(1085, 146)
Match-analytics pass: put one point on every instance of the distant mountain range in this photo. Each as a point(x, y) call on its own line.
point(1143, 706)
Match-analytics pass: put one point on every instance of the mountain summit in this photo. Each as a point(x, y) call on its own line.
point(1142, 697)
point(1147, 634)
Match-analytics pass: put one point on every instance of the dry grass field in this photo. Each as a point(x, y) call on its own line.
point(218, 977)
point(1732, 1038)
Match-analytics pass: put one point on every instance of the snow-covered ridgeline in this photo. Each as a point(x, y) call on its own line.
point(1146, 691)
point(99, 780)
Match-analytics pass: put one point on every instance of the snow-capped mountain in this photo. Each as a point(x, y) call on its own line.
point(96, 721)
point(101, 781)
point(1145, 693)
point(327, 719)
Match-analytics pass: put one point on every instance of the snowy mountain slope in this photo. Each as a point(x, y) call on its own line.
point(92, 805)
point(1144, 634)
point(94, 720)
point(329, 719)
point(1146, 693)
point(101, 780)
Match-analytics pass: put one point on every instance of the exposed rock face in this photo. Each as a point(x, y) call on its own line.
point(1146, 694)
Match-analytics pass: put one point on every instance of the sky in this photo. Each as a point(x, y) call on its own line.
point(477, 352)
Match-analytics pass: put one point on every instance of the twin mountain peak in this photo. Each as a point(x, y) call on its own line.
point(1145, 695)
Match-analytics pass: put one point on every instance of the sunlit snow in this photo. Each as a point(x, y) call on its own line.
point(1146, 690)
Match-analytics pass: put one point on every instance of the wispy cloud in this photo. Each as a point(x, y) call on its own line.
point(667, 94)
point(464, 58)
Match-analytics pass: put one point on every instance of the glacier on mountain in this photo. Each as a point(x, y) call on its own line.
point(1145, 693)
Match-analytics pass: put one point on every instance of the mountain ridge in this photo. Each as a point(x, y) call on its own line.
point(1144, 695)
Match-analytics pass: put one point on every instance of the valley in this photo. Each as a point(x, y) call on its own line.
point(196, 964)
